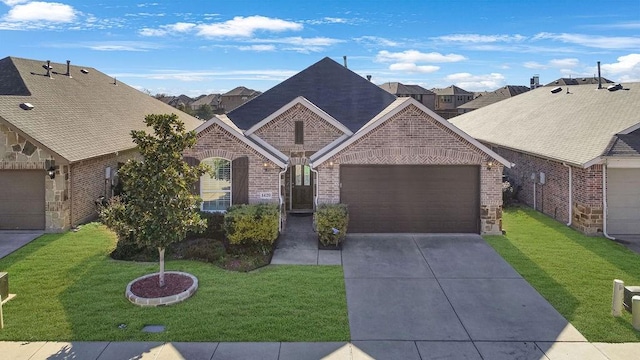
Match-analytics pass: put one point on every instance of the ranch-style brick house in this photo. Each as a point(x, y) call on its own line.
point(64, 130)
point(327, 135)
point(576, 151)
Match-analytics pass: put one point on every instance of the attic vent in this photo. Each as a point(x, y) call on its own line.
point(614, 87)
point(556, 90)
point(84, 71)
point(26, 106)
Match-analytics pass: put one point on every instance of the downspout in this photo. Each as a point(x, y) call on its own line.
point(604, 203)
point(534, 193)
point(315, 198)
point(286, 166)
point(570, 193)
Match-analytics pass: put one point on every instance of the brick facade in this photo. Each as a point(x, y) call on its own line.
point(88, 182)
point(218, 142)
point(412, 137)
point(552, 198)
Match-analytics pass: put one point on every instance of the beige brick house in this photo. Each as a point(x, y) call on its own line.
point(73, 122)
point(576, 151)
point(327, 135)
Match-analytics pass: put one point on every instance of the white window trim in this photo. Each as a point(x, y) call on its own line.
point(230, 191)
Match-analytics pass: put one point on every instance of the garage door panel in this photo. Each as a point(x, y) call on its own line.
point(411, 198)
point(22, 200)
point(623, 201)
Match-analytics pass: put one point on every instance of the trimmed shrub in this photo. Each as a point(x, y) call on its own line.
point(215, 227)
point(331, 222)
point(127, 248)
point(254, 226)
point(510, 191)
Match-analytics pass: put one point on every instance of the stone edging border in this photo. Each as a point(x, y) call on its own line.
point(167, 300)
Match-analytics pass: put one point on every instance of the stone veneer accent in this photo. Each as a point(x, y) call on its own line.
point(18, 153)
point(412, 137)
point(552, 198)
point(218, 142)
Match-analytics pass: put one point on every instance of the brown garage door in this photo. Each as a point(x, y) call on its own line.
point(411, 198)
point(22, 199)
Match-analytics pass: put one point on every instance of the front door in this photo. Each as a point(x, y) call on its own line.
point(301, 188)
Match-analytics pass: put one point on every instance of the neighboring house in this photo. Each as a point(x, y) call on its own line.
point(327, 135)
point(488, 98)
point(448, 100)
point(73, 121)
point(576, 153)
point(236, 97)
point(424, 96)
point(212, 100)
point(580, 81)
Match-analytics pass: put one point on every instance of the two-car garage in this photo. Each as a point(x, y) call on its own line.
point(22, 200)
point(411, 198)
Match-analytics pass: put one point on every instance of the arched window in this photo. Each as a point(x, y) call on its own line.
point(215, 187)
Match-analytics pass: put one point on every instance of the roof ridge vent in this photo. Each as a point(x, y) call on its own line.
point(556, 90)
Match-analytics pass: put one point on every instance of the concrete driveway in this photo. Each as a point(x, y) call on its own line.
point(12, 240)
point(444, 294)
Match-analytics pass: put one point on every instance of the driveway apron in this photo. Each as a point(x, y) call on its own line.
point(12, 240)
point(442, 287)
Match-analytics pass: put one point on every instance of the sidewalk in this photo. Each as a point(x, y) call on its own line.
point(360, 350)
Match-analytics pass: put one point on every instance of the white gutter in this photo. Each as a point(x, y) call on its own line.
point(570, 193)
point(280, 196)
point(604, 203)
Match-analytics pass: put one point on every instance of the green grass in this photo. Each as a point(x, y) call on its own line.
point(69, 289)
point(573, 272)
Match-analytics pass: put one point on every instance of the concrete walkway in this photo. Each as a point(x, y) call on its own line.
point(298, 245)
point(12, 240)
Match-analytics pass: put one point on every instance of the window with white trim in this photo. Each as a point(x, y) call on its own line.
point(215, 187)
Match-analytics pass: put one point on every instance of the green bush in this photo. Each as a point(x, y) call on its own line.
point(127, 248)
point(215, 227)
point(331, 222)
point(254, 226)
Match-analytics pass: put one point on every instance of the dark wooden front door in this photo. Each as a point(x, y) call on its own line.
point(301, 188)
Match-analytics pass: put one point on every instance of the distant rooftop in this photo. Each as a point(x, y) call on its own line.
point(579, 81)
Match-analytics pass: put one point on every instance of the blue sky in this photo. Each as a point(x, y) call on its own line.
point(196, 47)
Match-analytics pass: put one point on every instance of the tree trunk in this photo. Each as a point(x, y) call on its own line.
point(161, 251)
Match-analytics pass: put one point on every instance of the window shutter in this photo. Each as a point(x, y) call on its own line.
point(191, 161)
point(240, 180)
point(299, 132)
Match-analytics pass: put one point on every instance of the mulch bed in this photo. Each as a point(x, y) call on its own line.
point(149, 287)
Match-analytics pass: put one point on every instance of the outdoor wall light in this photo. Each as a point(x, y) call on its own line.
point(51, 171)
point(489, 165)
point(330, 164)
point(266, 166)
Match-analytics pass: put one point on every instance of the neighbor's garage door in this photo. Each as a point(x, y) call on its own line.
point(22, 199)
point(411, 198)
point(623, 201)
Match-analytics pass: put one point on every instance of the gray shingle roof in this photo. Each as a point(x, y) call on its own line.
point(343, 94)
point(397, 88)
point(576, 127)
point(579, 81)
point(494, 96)
point(451, 90)
point(77, 117)
point(625, 145)
point(242, 91)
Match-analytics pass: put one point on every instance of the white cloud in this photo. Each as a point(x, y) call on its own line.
point(14, 2)
point(191, 76)
point(246, 26)
point(41, 11)
point(471, 82)
point(565, 64)
point(376, 41)
point(627, 69)
point(477, 38)
point(107, 45)
point(179, 27)
point(593, 41)
point(258, 48)
point(413, 68)
point(414, 56)
point(152, 32)
point(328, 20)
point(300, 44)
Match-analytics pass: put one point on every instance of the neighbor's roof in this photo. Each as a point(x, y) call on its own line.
point(625, 145)
point(242, 91)
point(494, 96)
point(575, 128)
point(397, 88)
point(207, 100)
point(451, 90)
point(579, 81)
point(346, 96)
point(79, 116)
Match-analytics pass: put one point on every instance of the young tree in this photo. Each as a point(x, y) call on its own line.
point(160, 208)
point(204, 112)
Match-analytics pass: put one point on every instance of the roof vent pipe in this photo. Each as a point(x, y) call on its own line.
point(68, 68)
point(345, 61)
point(115, 82)
point(48, 68)
point(369, 77)
point(599, 77)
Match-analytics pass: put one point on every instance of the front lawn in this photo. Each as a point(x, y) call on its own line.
point(573, 272)
point(69, 289)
